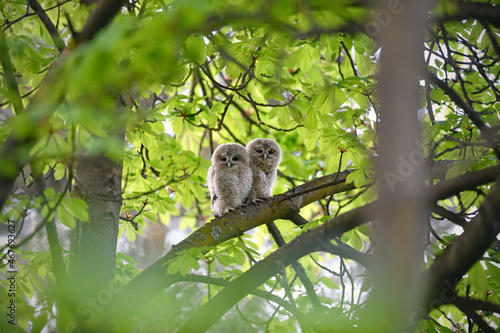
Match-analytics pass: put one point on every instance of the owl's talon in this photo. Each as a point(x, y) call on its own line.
point(261, 199)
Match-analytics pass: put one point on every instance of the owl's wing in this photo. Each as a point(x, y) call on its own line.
point(210, 177)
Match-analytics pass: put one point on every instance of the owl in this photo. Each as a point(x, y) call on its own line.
point(265, 156)
point(229, 178)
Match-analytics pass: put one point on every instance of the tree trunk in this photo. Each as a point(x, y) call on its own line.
point(401, 213)
point(93, 242)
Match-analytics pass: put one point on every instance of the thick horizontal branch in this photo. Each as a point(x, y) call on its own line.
point(468, 181)
point(472, 10)
point(314, 240)
point(472, 314)
point(155, 278)
point(476, 304)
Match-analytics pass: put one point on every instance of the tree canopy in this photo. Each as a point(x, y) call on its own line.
point(386, 209)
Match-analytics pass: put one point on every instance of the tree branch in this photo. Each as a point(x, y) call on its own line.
point(487, 132)
point(51, 29)
point(317, 239)
point(10, 78)
point(472, 314)
point(311, 241)
point(466, 249)
point(472, 10)
point(476, 304)
point(297, 267)
point(260, 293)
point(155, 278)
point(467, 181)
point(100, 17)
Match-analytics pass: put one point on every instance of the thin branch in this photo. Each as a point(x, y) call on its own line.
point(353, 66)
point(51, 29)
point(260, 293)
point(8, 24)
point(298, 268)
point(10, 78)
point(487, 132)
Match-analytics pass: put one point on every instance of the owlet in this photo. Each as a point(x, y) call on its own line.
point(265, 156)
point(229, 178)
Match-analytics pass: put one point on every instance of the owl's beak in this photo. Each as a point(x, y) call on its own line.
point(229, 164)
point(265, 156)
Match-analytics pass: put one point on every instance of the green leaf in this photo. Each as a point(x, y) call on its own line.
point(182, 264)
point(195, 49)
point(304, 57)
point(478, 277)
point(328, 282)
point(311, 121)
point(283, 118)
point(131, 235)
point(49, 192)
point(66, 218)
point(329, 100)
point(77, 207)
point(225, 260)
point(353, 239)
point(239, 257)
point(59, 171)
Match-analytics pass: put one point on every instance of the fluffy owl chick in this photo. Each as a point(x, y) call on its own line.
point(265, 156)
point(229, 178)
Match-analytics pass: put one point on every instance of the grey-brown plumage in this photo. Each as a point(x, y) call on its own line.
point(265, 156)
point(229, 178)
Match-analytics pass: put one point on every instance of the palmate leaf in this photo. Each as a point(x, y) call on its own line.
point(304, 57)
point(181, 65)
point(65, 217)
point(77, 208)
point(329, 100)
point(194, 48)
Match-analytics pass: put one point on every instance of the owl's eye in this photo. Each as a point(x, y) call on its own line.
point(270, 151)
point(224, 159)
point(260, 151)
point(234, 159)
